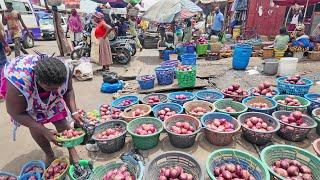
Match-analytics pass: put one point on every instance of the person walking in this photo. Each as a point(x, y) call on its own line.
point(101, 33)
point(14, 21)
point(218, 21)
point(39, 92)
point(75, 26)
point(4, 48)
point(133, 32)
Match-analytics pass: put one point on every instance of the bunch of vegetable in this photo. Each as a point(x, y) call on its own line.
point(232, 172)
point(55, 170)
point(69, 134)
point(115, 113)
point(292, 169)
point(235, 90)
point(92, 118)
point(199, 110)
point(121, 173)
point(181, 97)
point(230, 109)
point(258, 124)
point(298, 49)
point(259, 105)
point(105, 111)
point(165, 113)
point(221, 125)
point(202, 40)
point(110, 133)
point(174, 173)
point(263, 89)
point(125, 102)
point(146, 129)
point(295, 80)
point(295, 118)
point(153, 99)
point(290, 101)
point(33, 169)
point(182, 128)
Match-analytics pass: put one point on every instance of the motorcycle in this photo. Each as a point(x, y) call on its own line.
point(120, 51)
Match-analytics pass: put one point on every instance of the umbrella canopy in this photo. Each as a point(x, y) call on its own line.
point(293, 2)
point(164, 11)
point(113, 3)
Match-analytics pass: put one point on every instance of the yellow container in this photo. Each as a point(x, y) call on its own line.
point(279, 54)
point(236, 32)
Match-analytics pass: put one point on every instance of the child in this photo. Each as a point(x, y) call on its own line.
point(282, 40)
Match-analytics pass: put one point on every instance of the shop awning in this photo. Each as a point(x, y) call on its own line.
point(293, 2)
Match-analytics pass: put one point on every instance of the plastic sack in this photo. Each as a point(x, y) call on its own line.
point(111, 88)
point(54, 2)
point(83, 71)
point(110, 77)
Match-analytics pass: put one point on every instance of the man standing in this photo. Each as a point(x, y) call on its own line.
point(218, 21)
point(14, 21)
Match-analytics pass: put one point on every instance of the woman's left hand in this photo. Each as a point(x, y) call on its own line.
point(77, 117)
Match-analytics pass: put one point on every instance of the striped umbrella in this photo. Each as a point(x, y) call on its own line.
point(165, 11)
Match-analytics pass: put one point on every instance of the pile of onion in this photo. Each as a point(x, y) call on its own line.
point(263, 89)
point(232, 172)
point(221, 125)
point(258, 124)
point(121, 173)
point(235, 90)
point(174, 173)
point(182, 128)
point(290, 101)
point(292, 170)
point(146, 129)
point(294, 80)
point(295, 119)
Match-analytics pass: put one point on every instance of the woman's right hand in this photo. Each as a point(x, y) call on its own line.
point(51, 136)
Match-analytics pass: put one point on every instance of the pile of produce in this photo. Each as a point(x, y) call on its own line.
point(189, 44)
point(235, 90)
point(202, 40)
point(92, 118)
point(69, 134)
point(32, 178)
point(295, 80)
point(165, 113)
point(182, 128)
point(199, 111)
point(220, 125)
point(174, 173)
point(115, 113)
point(125, 102)
point(292, 169)
point(181, 97)
point(290, 101)
point(184, 68)
point(138, 112)
point(298, 49)
point(263, 89)
point(295, 119)
point(259, 105)
point(121, 173)
point(232, 172)
point(55, 170)
point(147, 77)
point(257, 124)
point(105, 111)
point(230, 109)
point(153, 99)
point(146, 129)
point(81, 112)
point(110, 133)
point(7, 177)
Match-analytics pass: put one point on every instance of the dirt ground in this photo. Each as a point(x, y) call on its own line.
point(14, 154)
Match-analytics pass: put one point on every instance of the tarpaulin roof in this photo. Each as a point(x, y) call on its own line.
point(113, 3)
point(293, 2)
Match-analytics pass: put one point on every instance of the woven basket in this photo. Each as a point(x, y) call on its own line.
point(146, 84)
point(145, 142)
point(312, 97)
point(111, 145)
point(127, 113)
point(223, 103)
point(316, 146)
point(163, 98)
point(215, 137)
point(182, 140)
point(314, 55)
point(116, 103)
point(100, 171)
point(258, 137)
point(174, 158)
point(172, 106)
point(189, 106)
point(303, 108)
point(32, 163)
point(261, 99)
point(187, 78)
point(165, 75)
point(209, 95)
point(172, 96)
point(73, 141)
point(291, 132)
point(294, 89)
point(273, 153)
point(316, 117)
point(64, 174)
point(82, 162)
point(219, 157)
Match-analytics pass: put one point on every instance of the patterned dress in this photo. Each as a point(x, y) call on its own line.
point(20, 73)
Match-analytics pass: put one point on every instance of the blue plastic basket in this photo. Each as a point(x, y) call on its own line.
point(37, 163)
point(172, 97)
point(314, 103)
point(209, 95)
point(173, 63)
point(266, 111)
point(173, 106)
point(146, 84)
point(165, 75)
point(7, 174)
point(28, 175)
point(115, 103)
point(166, 54)
point(189, 59)
point(274, 90)
point(294, 89)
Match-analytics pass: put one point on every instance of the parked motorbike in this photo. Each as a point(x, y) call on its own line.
point(120, 51)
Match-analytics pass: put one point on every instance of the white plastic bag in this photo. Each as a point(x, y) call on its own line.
point(83, 71)
point(54, 2)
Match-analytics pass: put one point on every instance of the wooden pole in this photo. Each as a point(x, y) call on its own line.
point(305, 11)
point(285, 23)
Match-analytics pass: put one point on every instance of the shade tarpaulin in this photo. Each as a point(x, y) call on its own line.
point(293, 2)
point(165, 11)
point(72, 4)
point(113, 3)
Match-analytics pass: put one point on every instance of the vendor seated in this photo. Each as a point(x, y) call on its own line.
point(282, 40)
point(303, 41)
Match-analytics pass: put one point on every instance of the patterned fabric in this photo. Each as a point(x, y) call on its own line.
point(20, 73)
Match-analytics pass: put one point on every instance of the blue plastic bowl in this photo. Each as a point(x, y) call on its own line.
point(115, 103)
point(314, 103)
point(7, 174)
point(209, 95)
point(38, 163)
point(266, 111)
point(28, 175)
point(172, 97)
point(173, 106)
